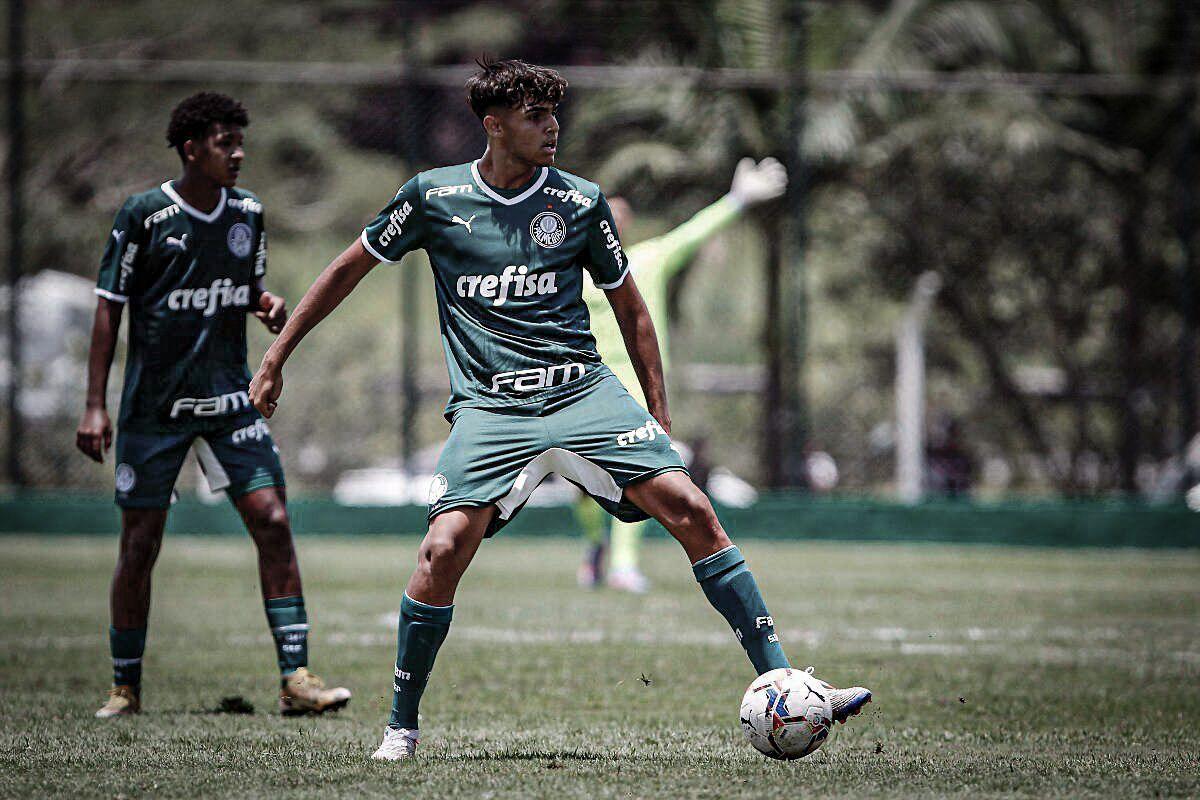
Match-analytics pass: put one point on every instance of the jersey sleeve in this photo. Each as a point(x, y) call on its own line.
point(123, 255)
point(260, 249)
point(399, 227)
point(605, 259)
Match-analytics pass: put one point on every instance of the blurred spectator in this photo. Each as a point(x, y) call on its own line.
point(949, 468)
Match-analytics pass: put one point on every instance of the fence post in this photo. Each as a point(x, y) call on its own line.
point(1185, 229)
point(16, 222)
point(785, 427)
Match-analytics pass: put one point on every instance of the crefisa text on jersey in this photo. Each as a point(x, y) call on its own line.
point(518, 279)
point(569, 196)
point(396, 221)
point(222, 294)
point(611, 242)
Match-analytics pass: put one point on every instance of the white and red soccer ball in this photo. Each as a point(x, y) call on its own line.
point(786, 713)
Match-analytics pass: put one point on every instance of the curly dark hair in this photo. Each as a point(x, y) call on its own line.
point(512, 83)
point(193, 116)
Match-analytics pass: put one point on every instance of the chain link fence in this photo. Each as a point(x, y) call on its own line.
point(1058, 347)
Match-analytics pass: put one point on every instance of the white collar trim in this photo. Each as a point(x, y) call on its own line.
point(170, 192)
point(499, 198)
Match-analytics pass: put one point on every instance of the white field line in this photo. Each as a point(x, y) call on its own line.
point(1050, 645)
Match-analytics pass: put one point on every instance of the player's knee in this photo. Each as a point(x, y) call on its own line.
point(268, 519)
point(139, 551)
point(689, 511)
point(441, 551)
point(271, 528)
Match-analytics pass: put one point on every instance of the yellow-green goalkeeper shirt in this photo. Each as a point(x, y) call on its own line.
point(653, 263)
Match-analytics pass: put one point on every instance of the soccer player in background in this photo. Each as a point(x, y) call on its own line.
point(655, 262)
point(188, 258)
point(509, 238)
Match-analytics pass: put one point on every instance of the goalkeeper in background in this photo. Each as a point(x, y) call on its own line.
point(655, 262)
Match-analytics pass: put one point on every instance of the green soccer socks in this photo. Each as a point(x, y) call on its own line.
point(289, 628)
point(731, 589)
point(127, 646)
point(422, 630)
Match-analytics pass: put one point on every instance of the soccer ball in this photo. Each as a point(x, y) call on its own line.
point(786, 714)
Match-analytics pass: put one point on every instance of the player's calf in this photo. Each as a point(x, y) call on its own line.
point(718, 565)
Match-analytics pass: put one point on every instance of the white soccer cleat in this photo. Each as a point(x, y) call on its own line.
point(628, 579)
point(845, 703)
point(398, 744)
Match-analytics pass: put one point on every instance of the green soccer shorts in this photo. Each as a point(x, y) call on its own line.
point(599, 439)
point(236, 454)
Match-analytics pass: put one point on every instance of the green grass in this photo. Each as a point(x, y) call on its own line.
point(998, 672)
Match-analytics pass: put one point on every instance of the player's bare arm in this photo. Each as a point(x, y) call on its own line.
point(328, 291)
point(641, 342)
point(94, 435)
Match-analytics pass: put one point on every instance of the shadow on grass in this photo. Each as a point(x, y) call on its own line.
point(552, 756)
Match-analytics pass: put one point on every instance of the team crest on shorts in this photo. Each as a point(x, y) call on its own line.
point(239, 239)
point(548, 229)
point(437, 488)
point(126, 478)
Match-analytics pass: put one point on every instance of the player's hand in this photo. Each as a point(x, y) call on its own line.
point(757, 183)
point(272, 311)
point(94, 434)
point(662, 416)
point(265, 388)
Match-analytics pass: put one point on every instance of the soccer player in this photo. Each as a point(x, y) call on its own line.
point(656, 262)
point(188, 258)
point(509, 238)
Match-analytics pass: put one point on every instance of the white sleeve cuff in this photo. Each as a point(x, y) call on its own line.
point(363, 238)
point(614, 284)
point(107, 295)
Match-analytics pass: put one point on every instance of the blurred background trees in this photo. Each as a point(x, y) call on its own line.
point(1037, 154)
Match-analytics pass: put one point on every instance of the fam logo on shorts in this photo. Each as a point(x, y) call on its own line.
point(239, 239)
point(126, 478)
point(437, 488)
point(548, 229)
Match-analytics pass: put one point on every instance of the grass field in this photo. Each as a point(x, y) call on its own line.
point(998, 672)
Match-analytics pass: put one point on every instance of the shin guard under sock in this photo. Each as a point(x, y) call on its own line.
point(422, 630)
point(731, 589)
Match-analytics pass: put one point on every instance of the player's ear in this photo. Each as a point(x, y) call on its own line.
point(189, 150)
point(492, 126)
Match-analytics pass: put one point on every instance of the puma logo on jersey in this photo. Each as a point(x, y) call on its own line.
point(646, 433)
point(513, 281)
point(181, 242)
point(457, 220)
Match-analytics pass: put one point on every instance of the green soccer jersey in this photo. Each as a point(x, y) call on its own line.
point(654, 263)
point(508, 267)
point(189, 279)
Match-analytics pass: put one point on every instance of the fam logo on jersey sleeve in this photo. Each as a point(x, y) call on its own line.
point(548, 229)
point(240, 239)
